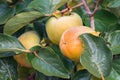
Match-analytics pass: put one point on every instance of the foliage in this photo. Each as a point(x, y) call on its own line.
point(100, 59)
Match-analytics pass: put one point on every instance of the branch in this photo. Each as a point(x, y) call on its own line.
point(96, 8)
point(91, 14)
point(86, 7)
point(67, 9)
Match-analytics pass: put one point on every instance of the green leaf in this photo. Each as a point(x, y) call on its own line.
point(67, 62)
point(114, 40)
point(115, 11)
point(20, 20)
point(10, 44)
point(8, 69)
point(22, 5)
point(40, 76)
point(113, 76)
point(40, 28)
point(46, 6)
point(49, 63)
point(96, 57)
point(81, 75)
point(114, 3)
point(5, 13)
point(103, 20)
point(6, 54)
point(116, 65)
point(31, 56)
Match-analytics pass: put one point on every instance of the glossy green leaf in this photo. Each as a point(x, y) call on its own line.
point(104, 20)
point(113, 76)
point(20, 20)
point(49, 63)
point(5, 13)
point(10, 44)
point(81, 75)
point(8, 69)
point(114, 3)
point(114, 40)
point(46, 6)
point(96, 57)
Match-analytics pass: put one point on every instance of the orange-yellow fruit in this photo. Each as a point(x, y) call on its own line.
point(56, 26)
point(71, 45)
point(22, 60)
point(28, 40)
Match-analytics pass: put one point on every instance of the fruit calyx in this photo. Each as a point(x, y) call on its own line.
point(59, 14)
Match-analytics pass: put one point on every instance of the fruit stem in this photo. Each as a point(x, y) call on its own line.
point(70, 9)
point(35, 53)
point(26, 51)
point(91, 14)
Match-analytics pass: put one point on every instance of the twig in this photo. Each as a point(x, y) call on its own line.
point(90, 14)
point(67, 9)
point(96, 7)
point(86, 7)
point(92, 22)
point(78, 5)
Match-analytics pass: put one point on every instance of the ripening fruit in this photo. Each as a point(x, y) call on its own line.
point(56, 26)
point(71, 45)
point(28, 40)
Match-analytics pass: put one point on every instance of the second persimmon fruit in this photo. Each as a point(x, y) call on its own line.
point(70, 43)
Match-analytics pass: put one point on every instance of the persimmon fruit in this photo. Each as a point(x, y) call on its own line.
point(55, 26)
point(28, 40)
point(70, 43)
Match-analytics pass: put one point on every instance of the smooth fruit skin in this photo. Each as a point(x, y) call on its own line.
point(56, 26)
point(71, 45)
point(28, 40)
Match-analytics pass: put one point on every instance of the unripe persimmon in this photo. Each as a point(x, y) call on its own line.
point(28, 40)
point(55, 26)
point(71, 45)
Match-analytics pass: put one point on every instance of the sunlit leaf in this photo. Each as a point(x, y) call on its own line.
point(50, 64)
point(96, 57)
